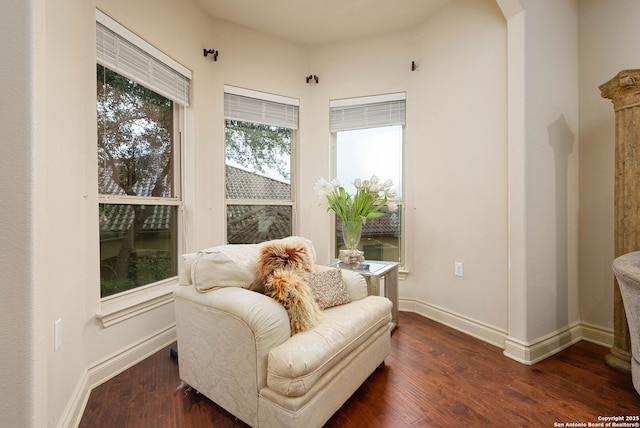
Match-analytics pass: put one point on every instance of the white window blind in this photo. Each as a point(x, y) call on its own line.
point(266, 109)
point(367, 112)
point(125, 53)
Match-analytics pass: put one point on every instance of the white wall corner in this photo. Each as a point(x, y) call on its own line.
point(598, 335)
point(77, 402)
point(109, 367)
point(531, 352)
point(510, 8)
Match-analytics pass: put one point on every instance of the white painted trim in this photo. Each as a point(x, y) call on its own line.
point(524, 352)
point(477, 329)
point(121, 308)
point(598, 335)
point(531, 352)
point(116, 363)
point(72, 413)
point(250, 93)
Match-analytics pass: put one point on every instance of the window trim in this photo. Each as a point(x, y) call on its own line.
point(355, 102)
point(276, 99)
point(119, 307)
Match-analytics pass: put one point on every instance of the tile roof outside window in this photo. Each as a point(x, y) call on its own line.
point(242, 184)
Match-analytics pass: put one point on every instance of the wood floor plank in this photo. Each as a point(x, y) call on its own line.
point(434, 377)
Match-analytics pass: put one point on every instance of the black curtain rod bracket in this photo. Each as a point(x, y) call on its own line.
point(211, 52)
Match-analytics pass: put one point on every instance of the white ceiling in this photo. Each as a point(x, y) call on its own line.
point(315, 22)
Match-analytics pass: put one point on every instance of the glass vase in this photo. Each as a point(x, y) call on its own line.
point(351, 234)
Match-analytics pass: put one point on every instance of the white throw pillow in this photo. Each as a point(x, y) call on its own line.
point(232, 265)
point(229, 265)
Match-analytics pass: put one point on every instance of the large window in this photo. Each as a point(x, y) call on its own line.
point(139, 105)
point(368, 134)
point(259, 142)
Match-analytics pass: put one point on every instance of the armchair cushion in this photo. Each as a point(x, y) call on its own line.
point(295, 365)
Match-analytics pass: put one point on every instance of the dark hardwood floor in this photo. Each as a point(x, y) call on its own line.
point(434, 377)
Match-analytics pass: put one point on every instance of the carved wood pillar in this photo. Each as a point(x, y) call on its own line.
point(624, 91)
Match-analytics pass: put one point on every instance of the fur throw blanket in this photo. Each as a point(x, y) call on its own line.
point(289, 288)
point(282, 267)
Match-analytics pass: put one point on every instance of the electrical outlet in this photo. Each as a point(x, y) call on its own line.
point(458, 269)
point(57, 331)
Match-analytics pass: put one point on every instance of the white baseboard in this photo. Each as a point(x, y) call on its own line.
point(524, 352)
point(109, 367)
point(598, 335)
point(75, 406)
point(479, 330)
point(118, 362)
point(531, 352)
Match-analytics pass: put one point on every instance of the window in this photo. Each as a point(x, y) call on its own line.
point(259, 146)
point(368, 134)
point(140, 101)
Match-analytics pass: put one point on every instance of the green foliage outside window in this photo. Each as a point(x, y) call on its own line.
point(135, 159)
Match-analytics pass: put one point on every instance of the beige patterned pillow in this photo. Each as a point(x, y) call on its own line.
point(328, 288)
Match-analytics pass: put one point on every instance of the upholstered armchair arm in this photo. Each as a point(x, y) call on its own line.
point(224, 338)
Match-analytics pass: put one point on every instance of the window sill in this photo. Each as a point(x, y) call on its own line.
point(114, 311)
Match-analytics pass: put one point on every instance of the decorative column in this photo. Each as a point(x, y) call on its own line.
point(624, 91)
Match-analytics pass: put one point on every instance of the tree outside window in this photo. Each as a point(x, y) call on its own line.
point(136, 171)
point(259, 143)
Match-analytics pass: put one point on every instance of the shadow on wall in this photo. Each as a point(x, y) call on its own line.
point(561, 141)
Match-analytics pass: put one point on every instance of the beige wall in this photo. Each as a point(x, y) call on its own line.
point(469, 166)
point(608, 44)
point(455, 154)
point(18, 402)
point(457, 164)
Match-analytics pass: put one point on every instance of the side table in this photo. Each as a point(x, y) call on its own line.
point(379, 270)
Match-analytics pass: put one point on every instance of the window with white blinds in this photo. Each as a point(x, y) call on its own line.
point(141, 95)
point(260, 136)
point(367, 112)
point(258, 107)
point(127, 54)
point(368, 137)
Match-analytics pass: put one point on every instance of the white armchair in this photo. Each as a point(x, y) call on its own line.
point(627, 271)
point(236, 348)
